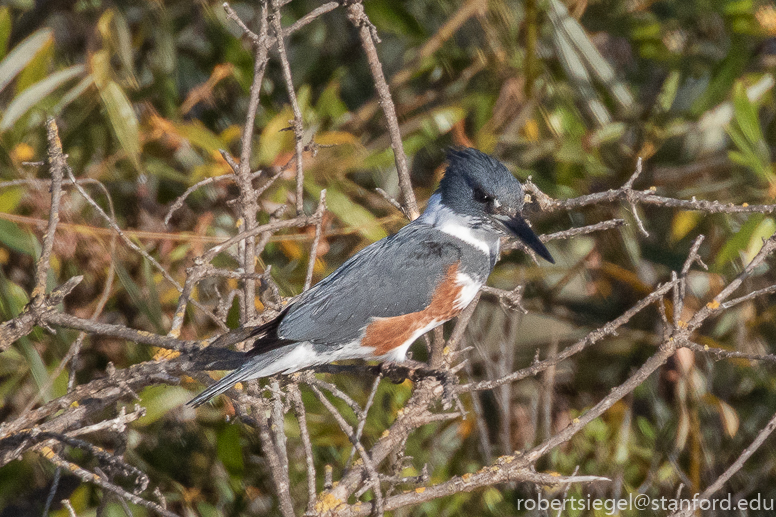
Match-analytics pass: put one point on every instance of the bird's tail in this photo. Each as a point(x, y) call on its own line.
point(264, 365)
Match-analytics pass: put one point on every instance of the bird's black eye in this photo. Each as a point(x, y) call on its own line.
point(481, 197)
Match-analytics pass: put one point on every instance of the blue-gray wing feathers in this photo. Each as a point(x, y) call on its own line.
point(394, 276)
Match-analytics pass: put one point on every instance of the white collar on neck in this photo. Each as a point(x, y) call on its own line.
point(447, 221)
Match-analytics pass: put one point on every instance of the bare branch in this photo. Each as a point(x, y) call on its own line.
point(264, 421)
point(34, 314)
point(359, 19)
point(120, 331)
point(57, 165)
point(89, 477)
point(737, 465)
point(295, 396)
point(720, 353)
point(593, 337)
point(318, 216)
point(641, 197)
point(297, 124)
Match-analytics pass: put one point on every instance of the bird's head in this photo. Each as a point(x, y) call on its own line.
point(480, 189)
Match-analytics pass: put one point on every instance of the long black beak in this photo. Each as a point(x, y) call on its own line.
point(520, 229)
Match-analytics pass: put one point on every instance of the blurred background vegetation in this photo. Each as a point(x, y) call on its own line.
point(146, 93)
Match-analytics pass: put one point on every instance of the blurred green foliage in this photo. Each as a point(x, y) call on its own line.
point(146, 94)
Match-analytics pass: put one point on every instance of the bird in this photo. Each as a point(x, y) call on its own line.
point(377, 303)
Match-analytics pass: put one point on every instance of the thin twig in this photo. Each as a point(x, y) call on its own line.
point(318, 216)
point(369, 465)
point(737, 465)
point(310, 17)
point(89, 477)
point(57, 165)
point(34, 314)
point(295, 396)
point(359, 19)
point(232, 15)
point(593, 337)
point(126, 240)
point(182, 198)
point(364, 413)
point(248, 204)
point(720, 353)
point(264, 422)
point(297, 124)
point(70, 510)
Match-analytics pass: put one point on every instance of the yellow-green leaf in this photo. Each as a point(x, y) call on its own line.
point(122, 119)
point(22, 55)
point(683, 224)
point(349, 212)
point(273, 139)
point(739, 241)
point(116, 35)
point(36, 93)
point(37, 69)
point(5, 30)
point(764, 230)
point(200, 136)
point(159, 400)
point(10, 198)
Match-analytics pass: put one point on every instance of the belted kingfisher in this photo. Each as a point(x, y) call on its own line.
point(395, 290)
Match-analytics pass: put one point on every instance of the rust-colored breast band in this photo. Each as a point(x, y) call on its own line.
point(385, 334)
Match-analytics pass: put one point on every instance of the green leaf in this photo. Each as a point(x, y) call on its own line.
point(22, 55)
point(10, 199)
point(122, 119)
point(665, 98)
point(200, 136)
point(646, 428)
point(746, 155)
point(229, 450)
point(746, 114)
point(752, 154)
point(349, 212)
point(117, 39)
point(764, 230)
point(492, 497)
point(73, 93)
point(739, 8)
point(37, 69)
point(330, 104)
point(15, 238)
point(36, 365)
point(12, 298)
point(738, 57)
point(390, 16)
point(159, 400)
point(36, 93)
point(5, 30)
point(738, 242)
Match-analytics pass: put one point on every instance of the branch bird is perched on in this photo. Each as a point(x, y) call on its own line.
point(397, 289)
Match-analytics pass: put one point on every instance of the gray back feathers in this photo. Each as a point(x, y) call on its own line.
point(392, 277)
